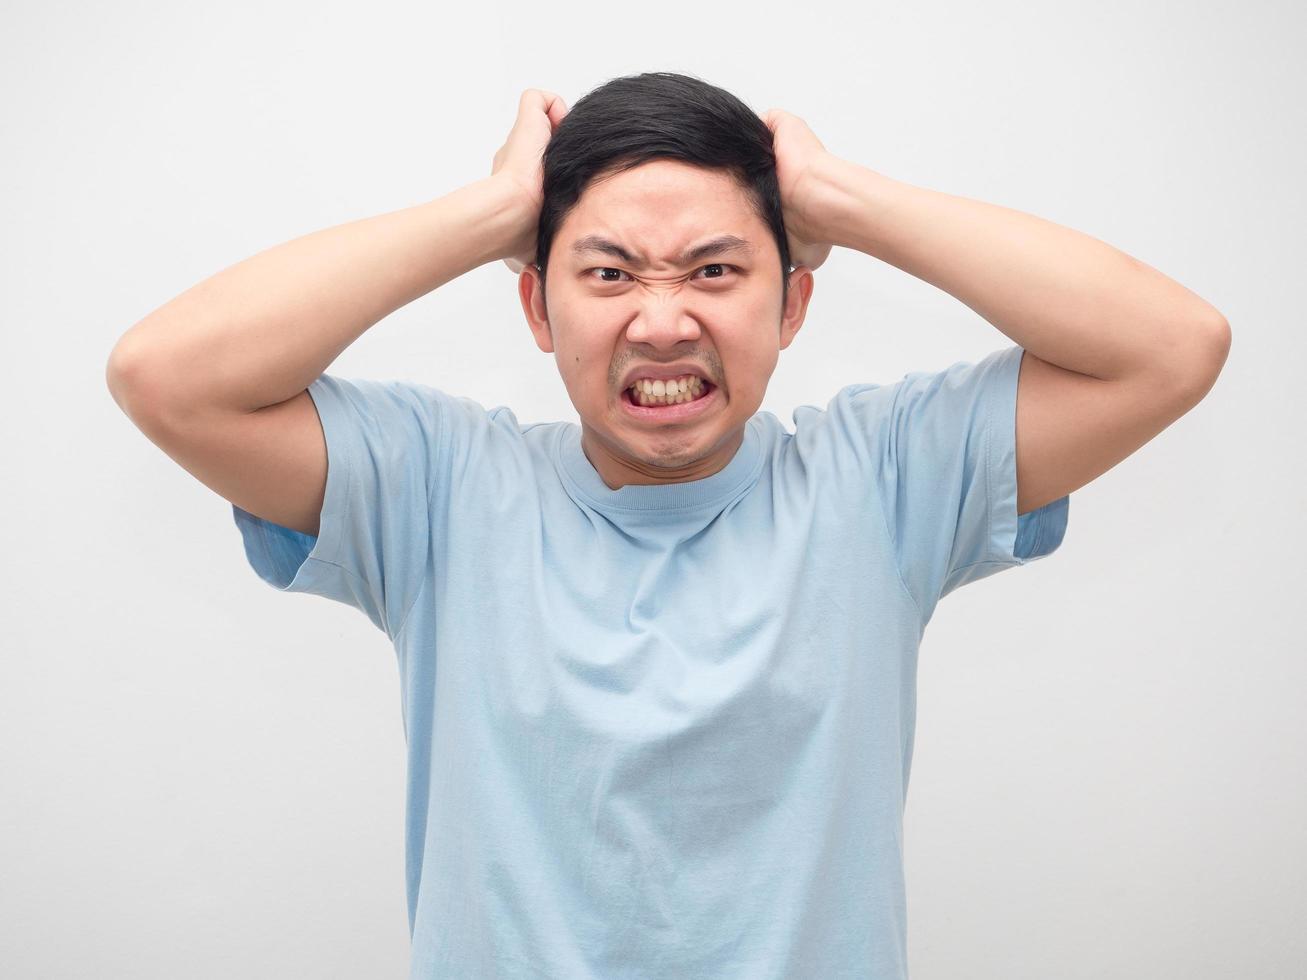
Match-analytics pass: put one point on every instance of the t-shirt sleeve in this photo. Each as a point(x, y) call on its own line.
point(385, 440)
point(943, 451)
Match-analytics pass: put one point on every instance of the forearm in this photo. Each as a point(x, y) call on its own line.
point(1066, 297)
point(260, 331)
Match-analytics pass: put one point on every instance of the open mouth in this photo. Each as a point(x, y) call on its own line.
point(696, 390)
point(678, 405)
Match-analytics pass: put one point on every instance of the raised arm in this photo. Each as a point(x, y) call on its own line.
point(218, 376)
point(259, 332)
point(1113, 350)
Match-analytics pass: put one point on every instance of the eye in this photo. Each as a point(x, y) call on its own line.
point(719, 265)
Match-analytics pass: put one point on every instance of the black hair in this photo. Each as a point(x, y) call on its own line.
point(631, 120)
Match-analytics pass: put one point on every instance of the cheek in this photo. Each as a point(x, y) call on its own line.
point(752, 367)
point(586, 373)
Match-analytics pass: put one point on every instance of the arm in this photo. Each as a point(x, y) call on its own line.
point(259, 332)
point(218, 378)
point(1113, 351)
point(1067, 298)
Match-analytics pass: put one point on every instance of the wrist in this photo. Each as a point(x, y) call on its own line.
point(843, 200)
point(507, 216)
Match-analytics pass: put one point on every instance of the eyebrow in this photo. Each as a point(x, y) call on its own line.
point(717, 246)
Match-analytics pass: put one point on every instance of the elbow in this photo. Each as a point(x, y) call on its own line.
point(1212, 349)
point(123, 365)
point(1221, 341)
point(1216, 343)
point(115, 371)
point(130, 377)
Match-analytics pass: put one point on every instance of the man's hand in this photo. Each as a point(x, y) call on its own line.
point(798, 153)
point(519, 161)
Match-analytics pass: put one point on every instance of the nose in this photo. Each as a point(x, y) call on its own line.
point(661, 320)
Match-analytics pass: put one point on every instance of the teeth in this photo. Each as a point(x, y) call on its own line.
point(668, 387)
point(667, 392)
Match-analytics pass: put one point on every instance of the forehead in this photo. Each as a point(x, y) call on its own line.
point(660, 210)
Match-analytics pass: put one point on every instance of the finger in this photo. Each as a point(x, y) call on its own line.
point(533, 101)
point(556, 109)
point(536, 100)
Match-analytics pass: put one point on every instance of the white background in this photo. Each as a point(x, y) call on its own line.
point(202, 777)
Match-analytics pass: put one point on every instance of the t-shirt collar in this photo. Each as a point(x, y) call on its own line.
point(715, 489)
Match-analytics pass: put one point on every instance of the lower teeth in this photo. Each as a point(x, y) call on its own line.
point(648, 401)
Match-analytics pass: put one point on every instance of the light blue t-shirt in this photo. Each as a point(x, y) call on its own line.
point(660, 731)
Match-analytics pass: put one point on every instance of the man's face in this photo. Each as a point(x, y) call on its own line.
point(720, 315)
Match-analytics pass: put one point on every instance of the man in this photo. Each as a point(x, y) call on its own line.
point(658, 670)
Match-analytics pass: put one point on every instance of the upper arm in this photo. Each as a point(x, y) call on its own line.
point(1072, 428)
point(330, 489)
point(271, 462)
point(385, 451)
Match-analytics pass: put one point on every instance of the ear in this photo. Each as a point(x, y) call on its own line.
point(530, 292)
point(796, 303)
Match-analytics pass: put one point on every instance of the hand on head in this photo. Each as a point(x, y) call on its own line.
point(798, 154)
point(519, 161)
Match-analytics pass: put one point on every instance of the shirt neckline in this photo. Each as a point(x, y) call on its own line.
point(585, 480)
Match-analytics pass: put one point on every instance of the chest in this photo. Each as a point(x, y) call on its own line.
point(586, 626)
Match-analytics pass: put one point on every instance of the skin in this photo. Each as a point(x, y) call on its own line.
point(723, 313)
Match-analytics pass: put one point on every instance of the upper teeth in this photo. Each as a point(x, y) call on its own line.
point(674, 386)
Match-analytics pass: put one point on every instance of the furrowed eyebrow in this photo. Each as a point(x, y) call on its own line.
point(717, 246)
